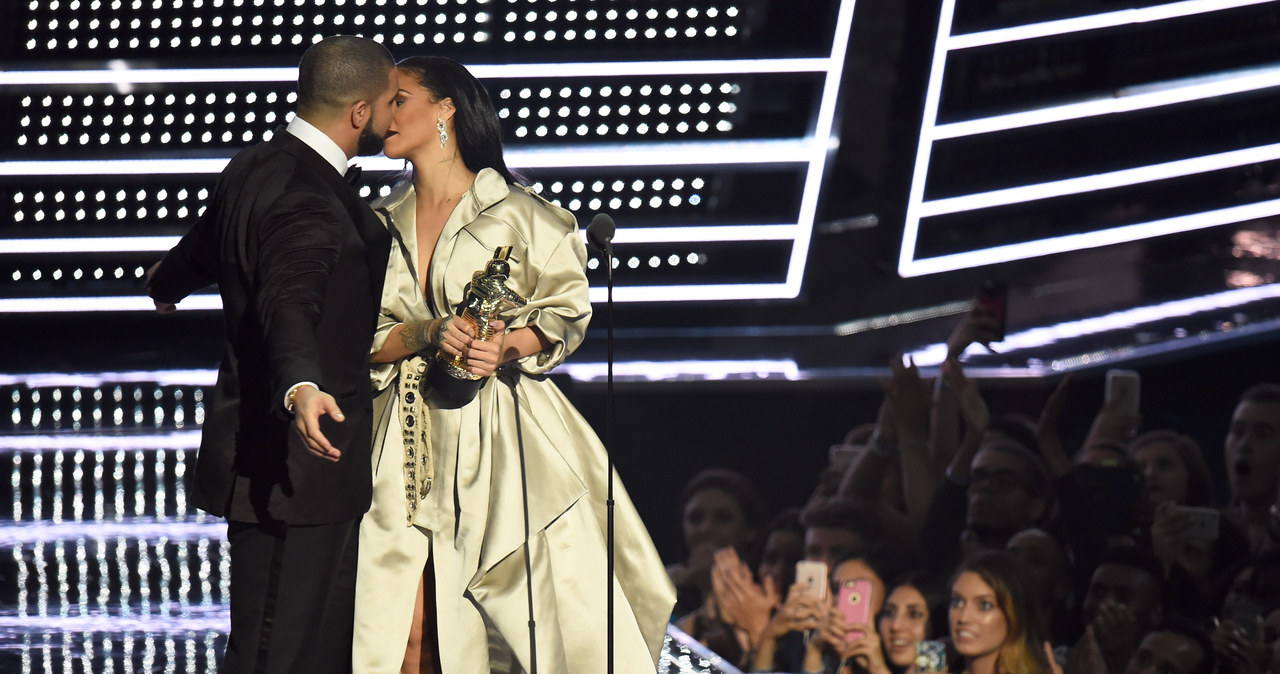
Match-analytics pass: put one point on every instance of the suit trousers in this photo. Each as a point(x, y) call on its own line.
point(292, 597)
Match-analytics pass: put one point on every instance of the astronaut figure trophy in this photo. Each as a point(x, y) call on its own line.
point(485, 299)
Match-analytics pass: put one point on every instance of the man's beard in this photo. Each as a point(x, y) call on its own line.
point(370, 142)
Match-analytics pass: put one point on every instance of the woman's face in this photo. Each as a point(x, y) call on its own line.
point(1163, 472)
point(978, 626)
point(712, 517)
point(413, 127)
point(903, 623)
point(782, 550)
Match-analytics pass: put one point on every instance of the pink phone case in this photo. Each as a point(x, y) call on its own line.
point(854, 602)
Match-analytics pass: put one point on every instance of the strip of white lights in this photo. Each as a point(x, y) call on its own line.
point(120, 74)
point(1077, 24)
point(123, 441)
point(1100, 181)
point(49, 532)
point(1129, 318)
point(709, 153)
point(160, 244)
point(1104, 237)
point(676, 370)
point(1126, 100)
point(46, 305)
point(1134, 98)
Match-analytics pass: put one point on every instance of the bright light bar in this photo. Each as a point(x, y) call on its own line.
point(95, 379)
point(82, 440)
point(101, 244)
point(827, 140)
point(1171, 93)
point(1121, 17)
point(710, 153)
point(1099, 181)
point(924, 148)
point(581, 371)
point(681, 370)
point(1106, 237)
point(696, 293)
point(43, 531)
point(188, 628)
point(1129, 318)
point(122, 75)
point(705, 233)
point(152, 244)
point(48, 305)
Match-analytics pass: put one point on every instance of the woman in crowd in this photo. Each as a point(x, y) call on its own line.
point(487, 513)
point(995, 622)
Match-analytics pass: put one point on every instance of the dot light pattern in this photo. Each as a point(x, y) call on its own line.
point(654, 196)
point(229, 117)
point(212, 116)
point(110, 407)
point(107, 207)
point(57, 29)
point(660, 109)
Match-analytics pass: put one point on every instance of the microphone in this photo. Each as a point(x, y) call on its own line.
point(600, 234)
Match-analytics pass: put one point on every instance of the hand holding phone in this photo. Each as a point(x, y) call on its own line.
point(854, 602)
point(813, 576)
point(1123, 387)
point(1200, 523)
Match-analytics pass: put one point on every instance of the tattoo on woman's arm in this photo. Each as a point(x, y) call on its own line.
point(413, 335)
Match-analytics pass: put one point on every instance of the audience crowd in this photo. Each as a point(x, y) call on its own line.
point(980, 542)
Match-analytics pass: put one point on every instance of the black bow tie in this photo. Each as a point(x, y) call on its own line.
point(353, 174)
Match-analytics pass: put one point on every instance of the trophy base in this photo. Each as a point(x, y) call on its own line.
point(449, 390)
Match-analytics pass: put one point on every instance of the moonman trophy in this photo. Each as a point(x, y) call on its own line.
point(484, 300)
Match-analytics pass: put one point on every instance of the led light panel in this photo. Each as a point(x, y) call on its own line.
point(928, 201)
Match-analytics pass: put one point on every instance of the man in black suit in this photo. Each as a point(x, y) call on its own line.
point(299, 259)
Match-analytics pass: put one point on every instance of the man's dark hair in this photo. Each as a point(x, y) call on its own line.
point(1184, 626)
point(339, 71)
point(1261, 393)
point(838, 513)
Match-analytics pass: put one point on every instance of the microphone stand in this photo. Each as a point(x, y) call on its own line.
point(608, 432)
point(600, 236)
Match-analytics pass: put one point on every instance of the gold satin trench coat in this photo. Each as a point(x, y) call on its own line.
point(471, 520)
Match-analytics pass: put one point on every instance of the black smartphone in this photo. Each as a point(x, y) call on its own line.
point(993, 300)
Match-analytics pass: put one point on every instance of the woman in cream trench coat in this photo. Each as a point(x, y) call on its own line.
point(449, 483)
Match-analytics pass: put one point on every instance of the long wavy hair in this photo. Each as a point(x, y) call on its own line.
point(1023, 649)
point(475, 124)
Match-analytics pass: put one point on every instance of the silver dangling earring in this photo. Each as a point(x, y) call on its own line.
point(443, 131)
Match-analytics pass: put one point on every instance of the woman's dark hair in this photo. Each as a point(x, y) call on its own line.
point(475, 124)
point(1199, 482)
point(737, 486)
point(935, 599)
point(1023, 647)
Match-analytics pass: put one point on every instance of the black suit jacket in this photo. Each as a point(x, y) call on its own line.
point(299, 259)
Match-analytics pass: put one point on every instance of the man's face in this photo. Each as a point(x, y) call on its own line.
point(1166, 653)
point(1127, 586)
point(1252, 452)
point(830, 544)
point(1000, 501)
point(374, 133)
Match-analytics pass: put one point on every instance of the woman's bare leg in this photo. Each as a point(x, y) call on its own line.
point(420, 656)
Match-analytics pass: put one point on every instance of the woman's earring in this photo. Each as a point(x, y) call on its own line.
point(444, 132)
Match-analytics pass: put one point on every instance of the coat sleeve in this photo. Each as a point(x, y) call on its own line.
point(560, 305)
point(299, 244)
point(188, 266)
